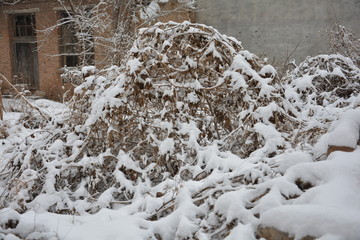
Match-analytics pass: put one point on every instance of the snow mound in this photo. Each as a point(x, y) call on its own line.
point(328, 205)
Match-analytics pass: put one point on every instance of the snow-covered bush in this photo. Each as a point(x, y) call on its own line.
point(324, 79)
point(320, 89)
point(192, 138)
point(345, 42)
point(184, 86)
point(76, 76)
point(186, 94)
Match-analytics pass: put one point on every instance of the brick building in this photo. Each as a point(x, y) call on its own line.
point(30, 57)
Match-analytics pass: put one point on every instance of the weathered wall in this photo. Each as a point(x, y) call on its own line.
point(49, 62)
point(5, 55)
point(275, 27)
point(48, 65)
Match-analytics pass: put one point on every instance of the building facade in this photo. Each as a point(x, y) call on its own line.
point(32, 56)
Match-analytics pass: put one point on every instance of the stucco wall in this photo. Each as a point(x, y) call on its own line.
point(275, 27)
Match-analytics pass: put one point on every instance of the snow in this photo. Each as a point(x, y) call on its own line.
point(167, 146)
point(88, 70)
point(267, 69)
point(133, 65)
point(287, 181)
point(106, 224)
point(314, 220)
point(327, 210)
point(346, 132)
point(343, 132)
point(8, 214)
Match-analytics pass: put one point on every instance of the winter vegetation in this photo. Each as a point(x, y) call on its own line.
point(191, 137)
point(111, 25)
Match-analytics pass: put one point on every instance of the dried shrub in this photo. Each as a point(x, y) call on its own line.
point(3, 130)
point(185, 101)
point(183, 87)
point(318, 85)
point(325, 79)
point(76, 75)
point(345, 42)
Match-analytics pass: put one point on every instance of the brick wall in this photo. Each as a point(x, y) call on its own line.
point(181, 15)
point(5, 56)
point(48, 65)
point(48, 44)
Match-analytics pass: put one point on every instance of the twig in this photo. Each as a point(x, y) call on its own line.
point(213, 113)
point(4, 174)
point(25, 99)
point(289, 55)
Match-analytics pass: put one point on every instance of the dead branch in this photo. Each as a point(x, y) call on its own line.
point(46, 117)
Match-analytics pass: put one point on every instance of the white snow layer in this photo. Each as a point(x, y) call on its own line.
point(330, 209)
point(332, 206)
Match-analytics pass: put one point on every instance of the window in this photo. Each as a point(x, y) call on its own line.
point(75, 50)
point(24, 49)
point(24, 25)
point(68, 44)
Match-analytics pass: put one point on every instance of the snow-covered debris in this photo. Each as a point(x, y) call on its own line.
point(343, 134)
point(346, 132)
point(9, 218)
point(330, 204)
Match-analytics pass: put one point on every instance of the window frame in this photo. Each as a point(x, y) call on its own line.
point(68, 44)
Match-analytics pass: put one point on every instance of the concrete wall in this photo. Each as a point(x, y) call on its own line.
point(275, 27)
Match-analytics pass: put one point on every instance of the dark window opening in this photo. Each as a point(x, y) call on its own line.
point(75, 50)
point(24, 49)
point(24, 25)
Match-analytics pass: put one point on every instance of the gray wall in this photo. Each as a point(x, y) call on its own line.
point(275, 27)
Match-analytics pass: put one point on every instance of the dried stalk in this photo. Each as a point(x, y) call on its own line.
point(24, 98)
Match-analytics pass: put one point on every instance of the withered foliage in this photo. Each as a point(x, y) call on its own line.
point(345, 42)
point(184, 86)
point(190, 107)
point(317, 85)
point(326, 78)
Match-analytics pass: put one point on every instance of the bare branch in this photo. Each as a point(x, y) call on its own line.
point(24, 98)
point(9, 2)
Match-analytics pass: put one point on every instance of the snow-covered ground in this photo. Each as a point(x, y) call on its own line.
point(320, 199)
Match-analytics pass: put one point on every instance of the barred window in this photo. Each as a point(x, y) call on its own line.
point(24, 25)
